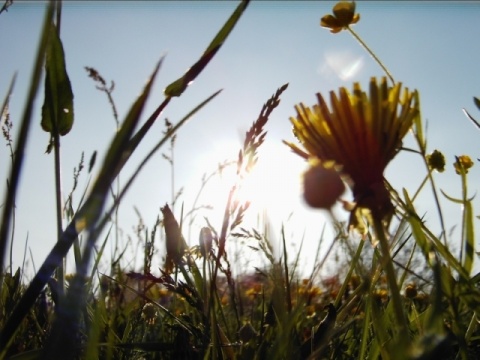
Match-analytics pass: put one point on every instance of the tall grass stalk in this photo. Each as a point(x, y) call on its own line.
point(7, 125)
point(21, 141)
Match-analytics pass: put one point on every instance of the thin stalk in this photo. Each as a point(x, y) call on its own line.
point(420, 187)
point(12, 236)
point(172, 175)
point(349, 274)
point(365, 46)
point(287, 278)
point(464, 219)
point(387, 264)
point(472, 326)
point(429, 178)
point(57, 169)
point(58, 203)
point(439, 209)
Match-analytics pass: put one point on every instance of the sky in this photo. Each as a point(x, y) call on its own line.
point(428, 46)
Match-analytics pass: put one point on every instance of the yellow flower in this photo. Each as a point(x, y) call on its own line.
point(462, 164)
point(361, 134)
point(343, 16)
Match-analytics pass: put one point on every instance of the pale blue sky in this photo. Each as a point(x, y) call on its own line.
point(429, 46)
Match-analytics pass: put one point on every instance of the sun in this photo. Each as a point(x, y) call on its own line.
point(272, 187)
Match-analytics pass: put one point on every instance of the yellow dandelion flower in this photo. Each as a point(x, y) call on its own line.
point(343, 16)
point(462, 164)
point(361, 133)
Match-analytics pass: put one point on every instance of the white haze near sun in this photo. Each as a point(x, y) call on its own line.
point(429, 46)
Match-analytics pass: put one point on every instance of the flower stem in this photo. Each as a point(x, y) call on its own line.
point(387, 264)
point(365, 46)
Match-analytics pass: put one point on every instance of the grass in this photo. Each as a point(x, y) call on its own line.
point(399, 292)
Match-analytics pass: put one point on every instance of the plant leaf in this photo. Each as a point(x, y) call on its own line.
point(477, 102)
point(177, 87)
point(57, 110)
point(469, 237)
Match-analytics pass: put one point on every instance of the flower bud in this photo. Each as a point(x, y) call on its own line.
point(322, 186)
point(205, 241)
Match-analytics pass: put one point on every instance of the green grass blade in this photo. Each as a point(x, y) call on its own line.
point(415, 225)
point(6, 101)
point(365, 332)
point(86, 217)
point(21, 142)
point(418, 126)
point(177, 87)
point(3, 113)
point(98, 257)
point(427, 241)
point(351, 269)
point(65, 331)
point(469, 234)
point(135, 140)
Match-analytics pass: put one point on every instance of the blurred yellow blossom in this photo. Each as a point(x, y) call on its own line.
point(343, 16)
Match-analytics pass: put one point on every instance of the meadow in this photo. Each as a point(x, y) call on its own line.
point(401, 290)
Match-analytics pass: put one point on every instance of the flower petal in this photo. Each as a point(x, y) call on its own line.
point(329, 21)
point(344, 11)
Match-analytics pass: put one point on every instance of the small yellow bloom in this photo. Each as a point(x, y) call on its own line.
point(360, 133)
point(343, 16)
point(436, 161)
point(462, 164)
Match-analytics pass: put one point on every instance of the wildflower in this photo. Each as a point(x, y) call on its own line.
point(462, 164)
point(361, 134)
point(343, 16)
point(436, 161)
